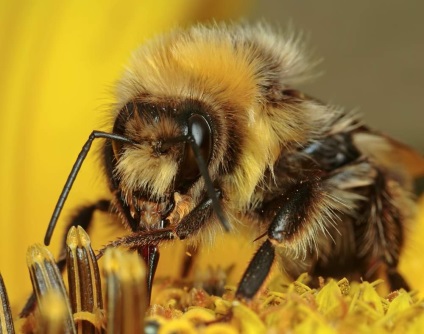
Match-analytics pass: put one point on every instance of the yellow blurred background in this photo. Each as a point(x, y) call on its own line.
point(58, 64)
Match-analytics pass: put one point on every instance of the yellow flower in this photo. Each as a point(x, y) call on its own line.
point(334, 307)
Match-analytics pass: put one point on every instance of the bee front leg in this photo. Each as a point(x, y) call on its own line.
point(147, 242)
point(196, 219)
point(290, 212)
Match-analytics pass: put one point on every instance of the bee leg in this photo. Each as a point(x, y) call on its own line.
point(146, 242)
point(189, 225)
point(196, 219)
point(289, 210)
point(257, 271)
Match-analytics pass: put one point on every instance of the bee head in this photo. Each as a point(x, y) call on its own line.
point(162, 159)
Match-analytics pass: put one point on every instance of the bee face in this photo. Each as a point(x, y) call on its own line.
point(161, 161)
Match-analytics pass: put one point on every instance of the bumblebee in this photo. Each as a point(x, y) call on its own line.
point(210, 135)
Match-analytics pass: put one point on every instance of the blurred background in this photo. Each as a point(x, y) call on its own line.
point(59, 62)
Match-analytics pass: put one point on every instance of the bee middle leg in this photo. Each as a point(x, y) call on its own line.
point(290, 211)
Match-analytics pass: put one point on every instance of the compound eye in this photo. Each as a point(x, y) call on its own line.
point(201, 132)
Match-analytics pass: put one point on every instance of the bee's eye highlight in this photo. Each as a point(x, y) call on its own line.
point(200, 130)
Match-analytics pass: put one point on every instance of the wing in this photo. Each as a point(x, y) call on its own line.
point(400, 160)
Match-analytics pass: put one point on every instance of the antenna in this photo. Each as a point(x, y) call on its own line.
point(73, 174)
